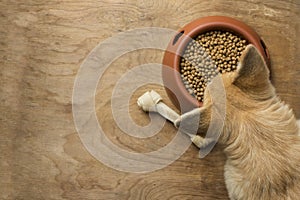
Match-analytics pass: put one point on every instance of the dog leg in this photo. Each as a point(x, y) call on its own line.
point(201, 142)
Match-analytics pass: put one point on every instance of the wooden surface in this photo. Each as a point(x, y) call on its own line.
point(43, 44)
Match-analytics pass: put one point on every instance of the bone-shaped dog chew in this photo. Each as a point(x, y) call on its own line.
point(152, 102)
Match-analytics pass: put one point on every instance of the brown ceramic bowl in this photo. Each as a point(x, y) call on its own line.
point(171, 78)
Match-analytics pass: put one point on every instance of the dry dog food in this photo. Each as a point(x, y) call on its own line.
point(207, 55)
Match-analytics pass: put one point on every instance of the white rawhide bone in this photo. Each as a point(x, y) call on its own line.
point(152, 102)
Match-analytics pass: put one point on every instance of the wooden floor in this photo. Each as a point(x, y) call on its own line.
point(43, 44)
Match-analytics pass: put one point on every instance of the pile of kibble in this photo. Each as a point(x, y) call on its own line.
point(207, 55)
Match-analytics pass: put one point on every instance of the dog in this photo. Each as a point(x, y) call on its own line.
point(260, 134)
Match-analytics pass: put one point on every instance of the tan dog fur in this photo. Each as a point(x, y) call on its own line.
point(260, 135)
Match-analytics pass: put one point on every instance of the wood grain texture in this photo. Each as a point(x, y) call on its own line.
point(43, 44)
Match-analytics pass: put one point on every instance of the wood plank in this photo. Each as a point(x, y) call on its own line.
point(43, 44)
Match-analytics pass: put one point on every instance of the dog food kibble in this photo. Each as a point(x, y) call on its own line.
point(207, 55)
